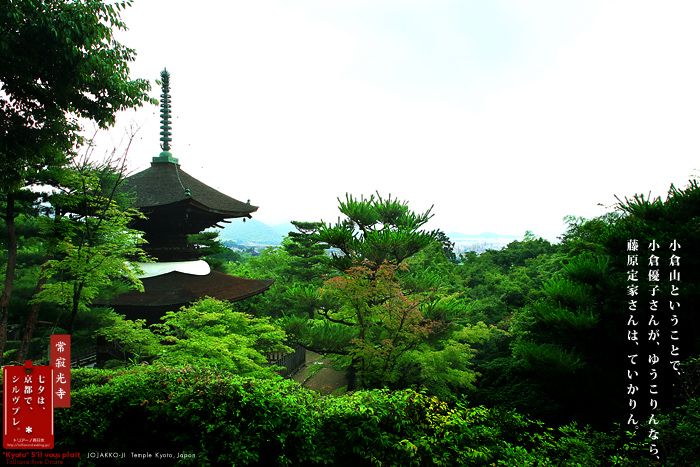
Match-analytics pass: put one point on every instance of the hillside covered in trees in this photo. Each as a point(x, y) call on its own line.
point(511, 357)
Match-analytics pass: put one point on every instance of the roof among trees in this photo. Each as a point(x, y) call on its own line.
point(165, 183)
point(176, 289)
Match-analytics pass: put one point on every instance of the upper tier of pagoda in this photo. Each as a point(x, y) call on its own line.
point(175, 203)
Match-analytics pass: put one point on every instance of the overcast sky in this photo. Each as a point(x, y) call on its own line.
point(504, 115)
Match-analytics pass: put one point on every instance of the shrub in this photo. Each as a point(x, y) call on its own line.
point(226, 419)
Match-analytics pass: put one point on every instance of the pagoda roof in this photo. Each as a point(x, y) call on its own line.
point(164, 183)
point(175, 289)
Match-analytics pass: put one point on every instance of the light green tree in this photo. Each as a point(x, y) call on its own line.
point(207, 333)
point(90, 242)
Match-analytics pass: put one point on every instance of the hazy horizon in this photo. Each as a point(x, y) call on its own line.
point(504, 115)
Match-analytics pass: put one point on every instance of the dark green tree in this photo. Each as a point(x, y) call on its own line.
point(306, 255)
point(61, 62)
point(210, 247)
point(448, 247)
point(573, 343)
point(377, 230)
point(305, 270)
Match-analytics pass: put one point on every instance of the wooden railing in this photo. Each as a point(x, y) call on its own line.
point(83, 359)
point(289, 362)
point(88, 358)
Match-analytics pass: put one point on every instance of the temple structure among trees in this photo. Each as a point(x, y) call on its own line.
point(177, 205)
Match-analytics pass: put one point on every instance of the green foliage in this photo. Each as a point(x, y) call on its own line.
point(307, 257)
point(501, 282)
point(298, 269)
point(382, 317)
point(270, 264)
point(516, 253)
point(431, 269)
point(642, 208)
point(562, 319)
point(132, 340)
point(209, 333)
point(31, 254)
point(548, 358)
point(586, 235)
point(209, 247)
point(332, 337)
point(506, 384)
point(557, 339)
point(568, 341)
point(61, 62)
point(224, 419)
point(443, 368)
point(388, 322)
point(375, 230)
point(395, 339)
point(569, 293)
point(304, 298)
point(90, 239)
point(206, 333)
point(589, 269)
point(679, 438)
point(447, 246)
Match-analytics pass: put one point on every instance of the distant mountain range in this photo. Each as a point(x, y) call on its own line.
point(255, 232)
point(457, 236)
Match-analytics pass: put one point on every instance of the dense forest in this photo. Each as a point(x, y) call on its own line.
point(511, 357)
point(523, 356)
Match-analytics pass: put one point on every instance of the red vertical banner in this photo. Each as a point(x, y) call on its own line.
point(27, 407)
point(60, 362)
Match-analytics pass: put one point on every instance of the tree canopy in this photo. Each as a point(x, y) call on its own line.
point(376, 230)
point(61, 62)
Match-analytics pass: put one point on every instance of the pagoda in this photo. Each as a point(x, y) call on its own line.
point(177, 205)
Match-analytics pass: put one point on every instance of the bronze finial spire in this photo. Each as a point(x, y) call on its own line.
point(165, 155)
